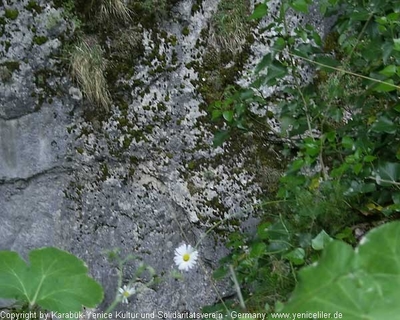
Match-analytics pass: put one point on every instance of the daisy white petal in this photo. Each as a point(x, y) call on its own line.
point(185, 257)
point(125, 292)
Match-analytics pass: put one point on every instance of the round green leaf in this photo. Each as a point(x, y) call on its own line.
point(55, 280)
point(320, 241)
point(359, 284)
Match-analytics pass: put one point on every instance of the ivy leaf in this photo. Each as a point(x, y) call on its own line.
point(55, 280)
point(259, 12)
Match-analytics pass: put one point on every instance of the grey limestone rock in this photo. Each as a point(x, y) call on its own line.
point(143, 180)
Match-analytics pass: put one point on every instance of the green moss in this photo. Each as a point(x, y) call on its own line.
point(173, 40)
point(7, 45)
point(161, 106)
point(11, 65)
point(12, 14)
point(127, 142)
point(104, 172)
point(34, 7)
point(39, 40)
point(5, 74)
point(331, 42)
point(185, 31)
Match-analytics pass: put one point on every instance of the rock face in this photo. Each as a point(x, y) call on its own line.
point(144, 179)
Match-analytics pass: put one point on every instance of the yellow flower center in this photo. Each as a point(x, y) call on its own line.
point(126, 294)
point(186, 257)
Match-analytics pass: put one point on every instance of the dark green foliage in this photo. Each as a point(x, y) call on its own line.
point(340, 133)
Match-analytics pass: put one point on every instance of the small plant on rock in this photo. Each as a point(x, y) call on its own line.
point(88, 68)
point(116, 9)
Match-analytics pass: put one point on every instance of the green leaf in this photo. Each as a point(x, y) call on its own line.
point(347, 142)
point(369, 158)
point(265, 61)
point(257, 249)
point(262, 230)
point(279, 44)
point(387, 173)
point(386, 86)
point(296, 256)
point(312, 147)
point(387, 49)
point(396, 197)
point(276, 70)
point(384, 124)
point(320, 241)
point(359, 284)
point(360, 14)
point(389, 70)
point(259, 12)
point(327, 63)
point(396, 43)
point(357, 168)
point(220, 137)
point(319, 284)
point(300, 5)
point(379, 256)
point(215, 114)
point(228, 115)
point(55, 280)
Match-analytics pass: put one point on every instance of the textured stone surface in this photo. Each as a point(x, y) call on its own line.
point(144, 180)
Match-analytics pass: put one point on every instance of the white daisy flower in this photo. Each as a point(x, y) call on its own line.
point(125, 292)
point(185, 257)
